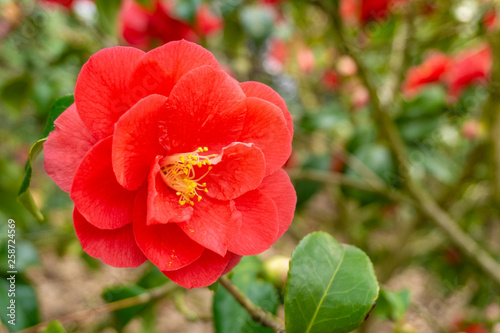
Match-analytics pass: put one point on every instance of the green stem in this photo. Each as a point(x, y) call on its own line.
point(491, 114)
point(340, 179)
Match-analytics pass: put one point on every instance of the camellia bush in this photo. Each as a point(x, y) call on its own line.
point(250, 166)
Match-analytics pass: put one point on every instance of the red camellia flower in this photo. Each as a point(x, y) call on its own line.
point(430, 71)
point(146, 27)
point(469, 67)
point(169, 159)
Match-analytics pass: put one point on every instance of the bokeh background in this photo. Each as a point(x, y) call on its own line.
point(432, 65)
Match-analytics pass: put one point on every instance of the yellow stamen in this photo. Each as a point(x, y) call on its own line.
point(178, 172)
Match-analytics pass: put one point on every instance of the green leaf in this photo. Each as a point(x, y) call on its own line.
point(214, 286)
point(393, 305)
point(26, 252)
point(229, 316)
point(108, 12)
point(24, 196)
point(146, 3)
point(152, 278)
point(306, 189)
point(257, 22)
point(377, 158)
point(123, 316)
point(55, 327)
point(331, 287)
point(186, 9)
point(59, 106)
point(16, 91)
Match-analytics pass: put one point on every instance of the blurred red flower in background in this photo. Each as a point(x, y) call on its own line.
point(169, 159)
point(430, 71)
point(469, 67)
point(306, 59)
point(330, 80)
point(65, 3)
point(364, 11)
point(146, 27)
point(207, 22)
point(373, 10)
point(277, 55)
point(490, 19)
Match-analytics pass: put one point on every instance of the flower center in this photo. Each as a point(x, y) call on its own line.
point(178, 172)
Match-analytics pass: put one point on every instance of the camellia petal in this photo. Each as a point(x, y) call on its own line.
point(136, 141)
point(260, 90)
point(280, 189)
point(160, 69)
point(102, 88)
point(115, 247)
point(97, 194)
point(239, 169)
point(165, 245)
point(201, 273)
point(265, 127)
point(162, 203)
point(213, 224)
point(259, 224)
point(206, 109)
point(66, 147)
point(233, 261)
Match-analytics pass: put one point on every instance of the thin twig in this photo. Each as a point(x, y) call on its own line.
point(258, 314)
point(107, 308)
point(340, 179)
point(399, 58)
point(491, 113)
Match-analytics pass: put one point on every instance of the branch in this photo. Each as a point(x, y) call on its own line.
point(340, 179)
point(425, 202)
point(107, 308)
point(258, 314)
point(491, 113)
point(399, 57)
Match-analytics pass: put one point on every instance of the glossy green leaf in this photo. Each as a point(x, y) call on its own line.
point(24, 196)
point(331, 287)
point(229, 316)
point(55, 327)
